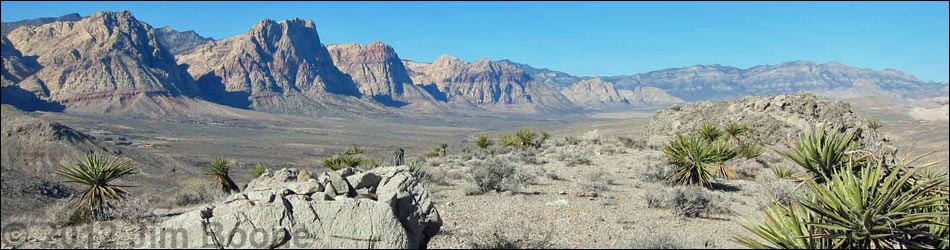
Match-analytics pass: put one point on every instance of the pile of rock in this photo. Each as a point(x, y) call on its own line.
point(775, 120)
point(289, 208)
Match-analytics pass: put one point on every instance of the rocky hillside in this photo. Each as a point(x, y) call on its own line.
point(777, 121)
point(488, 84)
point(649, 96)
point(379, 73)
point(274, 65)
point(15, 66)
point(107, 58)
point(179, 42)
point(34, 149)
point(704, 82)
point(7, 27)
point(595, 93)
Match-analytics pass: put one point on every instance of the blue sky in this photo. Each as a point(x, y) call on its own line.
point(588, 38)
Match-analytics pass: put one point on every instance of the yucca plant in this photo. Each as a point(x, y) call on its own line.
point(220, 169)
point(338, 162)
point(861, 206)
point(784, 171)
point(525, 138)
point(367, 164)
point(822, 153)
point(749, 150)
point(96, 172)
point(736, 131)
point(710, 132)
point(508, 140)
point(544, 137)
point(697, 160)
point(259, 170)
point(354, 150)
point(484, 142)
point(570, 140)
point(443, 149)
point(875, 124)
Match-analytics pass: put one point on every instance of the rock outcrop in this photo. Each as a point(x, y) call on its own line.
point(384, 208)
point(776, 121)
point(379, 73)
point(107, 59)
point(179, 42)
point(7, 27)
point(486, 84)
point(15, 66)
point(274, 65)
point(595, 93)
point(649, 96)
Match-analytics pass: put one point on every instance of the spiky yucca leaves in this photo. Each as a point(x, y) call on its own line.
point(822, 153)
point(784, 171)
point(875, 124)
point(784, 228)
point(709, 132)
point(861, 209)
point(259, 170)
point(96, 172)
point(749, 151)
point(220, 169)
point(354, 150)
point(483, 142)
point(736, 131)
point(367, 164)
point(508, 140)
point(338, 162)
point(697, 160)
point(525, 138)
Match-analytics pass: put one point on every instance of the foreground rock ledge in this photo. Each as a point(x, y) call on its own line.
point(384, 208)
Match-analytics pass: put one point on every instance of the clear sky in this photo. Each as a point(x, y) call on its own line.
point(588, 38)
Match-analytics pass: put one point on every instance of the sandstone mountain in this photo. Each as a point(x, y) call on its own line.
point(557, 78)
point(595, 93)
point(649, 96)
point(107, 60)
point(276, 66)
point(494, 85)
point(705, 82)
point(7, 27)
point(178, 42)
point(15, 66)
point(379, 73)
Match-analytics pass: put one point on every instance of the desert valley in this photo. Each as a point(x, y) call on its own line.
point(273, 139)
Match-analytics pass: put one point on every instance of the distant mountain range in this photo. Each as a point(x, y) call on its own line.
point(110, 62)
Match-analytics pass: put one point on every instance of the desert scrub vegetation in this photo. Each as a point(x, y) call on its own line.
point(855, 202)
point(494, 175)
point(698, 161)
point(483, 142)
point(709, 132)
point(338, 162)
point(655, 241)
point(96, 173)
point(220, 171)
point(688, 202)
point(637, 142)
point(258, 170)
point(784, 171)
point(595, 181)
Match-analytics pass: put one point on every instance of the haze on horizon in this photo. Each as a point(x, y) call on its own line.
point(588, 39)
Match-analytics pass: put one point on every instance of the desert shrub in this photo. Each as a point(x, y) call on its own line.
point(515, 238)
point(697, 160)
point(570, 140)
point(483, 142)
point(655, 199)
point(710, 132)
point(258, 170)
point(429, 174)
point(493, 175)
point(545, 136)
point(657, 173)
point(655, 241)
point(822, 153)
point(632, 142)
point(133, 209)
point(338, 162)
point(676, 108)
point(596, 181)
point(695, 202)
point(573, 158)
point(96, 172)
point(858, 207)
point(746, 169)
point(527, 157)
